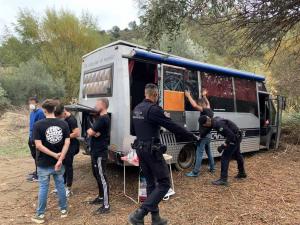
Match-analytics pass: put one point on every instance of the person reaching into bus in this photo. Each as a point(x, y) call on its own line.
point(61, 112)
point(99, 133)
point(230, 149)
point(203, 106)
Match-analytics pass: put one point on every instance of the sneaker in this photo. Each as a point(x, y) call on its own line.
point(241, 176)
point(33, 178)
point(220, 182)
point(102, 210)
point(212, 170)
point(63, 213)
point(192, 174)
point(38, 219)
point(68, 192)
point(96, 201)
point(32, 174)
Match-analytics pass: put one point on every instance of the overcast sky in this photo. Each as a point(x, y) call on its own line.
point(108, 12)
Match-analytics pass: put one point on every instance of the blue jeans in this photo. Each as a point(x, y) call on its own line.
point(204, 144)
point(44, 174)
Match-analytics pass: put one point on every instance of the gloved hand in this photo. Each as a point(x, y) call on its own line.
point(221, 148)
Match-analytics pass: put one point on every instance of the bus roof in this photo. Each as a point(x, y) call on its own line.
point(141, 52)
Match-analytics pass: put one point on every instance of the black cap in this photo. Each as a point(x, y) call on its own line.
point(202, 120)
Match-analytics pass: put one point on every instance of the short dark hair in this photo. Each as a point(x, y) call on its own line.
point(202, 120)
point(59, 109)
point(34, 99)
point(105, 101)
point(49, 105)
point(151, 88)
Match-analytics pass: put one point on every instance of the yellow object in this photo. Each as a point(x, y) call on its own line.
point(173, 101)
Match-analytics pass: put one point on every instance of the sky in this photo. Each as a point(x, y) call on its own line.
point(108, 12)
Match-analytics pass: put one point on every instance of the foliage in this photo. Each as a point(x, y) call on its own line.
point(183, 46)
point(59, 40)
point(4, 101)
point(263, 22)
point(291, 126)
point(31, 79)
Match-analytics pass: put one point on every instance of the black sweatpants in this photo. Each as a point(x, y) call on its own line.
point(32, 148)
point(232, 151)
point(68, 163)
point(99, 172)
point(156, 172)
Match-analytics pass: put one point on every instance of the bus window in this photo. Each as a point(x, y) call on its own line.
point(191, 83)
point(246, 96)
point(98, 83)
point(178, 80)
point(220, 91)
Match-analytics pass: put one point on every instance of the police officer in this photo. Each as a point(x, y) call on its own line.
point(231, 147)
point(148, 117)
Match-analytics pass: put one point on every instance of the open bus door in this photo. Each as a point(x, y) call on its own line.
point(173, 81)
point(270, 119)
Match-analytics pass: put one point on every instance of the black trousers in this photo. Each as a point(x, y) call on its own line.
point(68, 163)
point(33, 152)
point(232, 151)
point(156, 172)
point(99, 172)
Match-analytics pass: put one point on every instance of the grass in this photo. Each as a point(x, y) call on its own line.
point(15, 151)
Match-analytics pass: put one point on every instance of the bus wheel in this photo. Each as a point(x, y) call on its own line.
point(186, 157)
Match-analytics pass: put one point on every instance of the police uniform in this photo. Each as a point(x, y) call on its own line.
point(147, 120)
point(233, 137)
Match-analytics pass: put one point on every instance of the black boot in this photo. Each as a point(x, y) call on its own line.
point(221, 181)
point(137, 217)
point(157, 220)
point(241, 175)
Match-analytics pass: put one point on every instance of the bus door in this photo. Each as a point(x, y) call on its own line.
point(270, 119)
point(173, 82)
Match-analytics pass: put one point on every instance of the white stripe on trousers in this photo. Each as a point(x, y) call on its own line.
point(103, 181)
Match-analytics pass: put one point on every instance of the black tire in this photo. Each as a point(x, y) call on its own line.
point(186, 157)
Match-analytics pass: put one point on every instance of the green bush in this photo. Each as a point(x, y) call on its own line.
point(4, 101)
point(291, 127)
point(31, 79)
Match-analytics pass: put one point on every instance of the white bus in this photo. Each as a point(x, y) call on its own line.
point(120, 71)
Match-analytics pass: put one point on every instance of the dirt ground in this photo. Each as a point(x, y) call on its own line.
point(271, 194)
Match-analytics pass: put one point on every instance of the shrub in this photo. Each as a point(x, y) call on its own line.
point(4, 101)
point(31, 79)
point(291, 127)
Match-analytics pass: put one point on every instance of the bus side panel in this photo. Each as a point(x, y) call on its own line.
point(248, 123)
point(93, 62)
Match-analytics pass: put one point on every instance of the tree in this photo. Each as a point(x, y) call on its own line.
point(263, 22)
point(59, 40)
point(30, 79)
point(183, 46)
point(115, 32)
point(67, 39)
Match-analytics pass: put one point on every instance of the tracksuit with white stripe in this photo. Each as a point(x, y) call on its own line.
point(99, 153)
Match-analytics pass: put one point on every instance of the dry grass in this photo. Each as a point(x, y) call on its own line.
point(271, 194)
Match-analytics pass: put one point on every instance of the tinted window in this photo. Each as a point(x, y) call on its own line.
point(191, 83)
point(220, 91)
point(246, 96)
point(178, 80)
point(97, 83)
